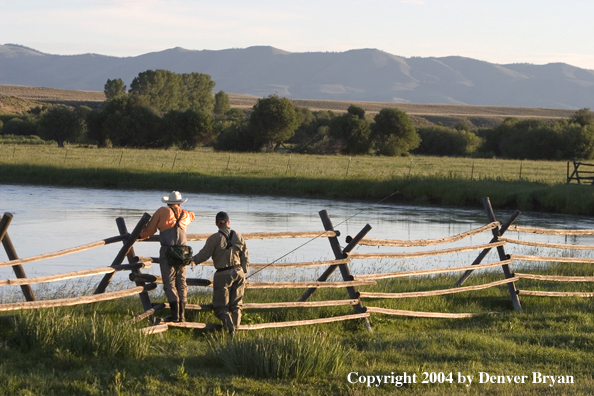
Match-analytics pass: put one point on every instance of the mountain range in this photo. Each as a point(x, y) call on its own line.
point(357, 75)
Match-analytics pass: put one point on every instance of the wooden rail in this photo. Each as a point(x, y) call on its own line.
point(424, 254)
point(546, 231)
point(420, 314)
point(432, 271)
point(290, 265)
point(437, 292)
point(259, 235)
point(554, 294)
point(551, 259)
point(64, 252)
point(548, 245)
point(66, 302)
point(427, 242)
point(556, 278)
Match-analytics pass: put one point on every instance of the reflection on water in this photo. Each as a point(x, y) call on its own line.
point(48, 219)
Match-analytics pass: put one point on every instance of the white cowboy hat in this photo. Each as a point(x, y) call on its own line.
point(174, 198)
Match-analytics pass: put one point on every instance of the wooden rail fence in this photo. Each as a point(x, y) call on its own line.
point(580, 175)
point(144, 283)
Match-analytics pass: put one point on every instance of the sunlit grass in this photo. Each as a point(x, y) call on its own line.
point(208, 162)
point(79, 350)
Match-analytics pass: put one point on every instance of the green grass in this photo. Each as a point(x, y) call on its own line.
point(524, 185)
point(554, 336)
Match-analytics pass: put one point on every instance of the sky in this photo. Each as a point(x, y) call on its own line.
point(496, 31)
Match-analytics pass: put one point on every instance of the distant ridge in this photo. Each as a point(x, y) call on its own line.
point(355, 75)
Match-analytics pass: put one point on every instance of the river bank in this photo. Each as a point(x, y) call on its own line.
point(511, 184)
point(522, 195)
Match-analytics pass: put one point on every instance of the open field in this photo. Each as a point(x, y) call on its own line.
point(93, 98)
point(524, 185)
point(552, 336)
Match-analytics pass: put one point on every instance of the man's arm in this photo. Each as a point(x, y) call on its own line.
point(206, 252)
point(244, 257)
point(151, 227)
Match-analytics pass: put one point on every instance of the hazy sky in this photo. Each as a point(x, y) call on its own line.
point(499, 31)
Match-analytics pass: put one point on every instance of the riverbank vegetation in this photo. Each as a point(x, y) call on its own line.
point(93, 350)
point(524, 185)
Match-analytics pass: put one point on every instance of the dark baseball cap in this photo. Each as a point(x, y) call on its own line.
point(222, 216)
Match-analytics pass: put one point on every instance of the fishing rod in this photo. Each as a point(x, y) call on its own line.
point(322, 233)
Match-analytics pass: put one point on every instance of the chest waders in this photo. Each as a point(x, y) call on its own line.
point(174, 279)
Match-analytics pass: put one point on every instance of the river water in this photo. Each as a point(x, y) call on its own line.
point(48, 219)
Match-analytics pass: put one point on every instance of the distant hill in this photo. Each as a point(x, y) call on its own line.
point(356, 75)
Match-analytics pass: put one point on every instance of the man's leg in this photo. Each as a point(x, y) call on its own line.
point(236, 297)
point(168, 276)
point(182, 292)
point(220, 298)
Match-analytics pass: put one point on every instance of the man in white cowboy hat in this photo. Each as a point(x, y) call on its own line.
point(171, 221)
point(231, 260)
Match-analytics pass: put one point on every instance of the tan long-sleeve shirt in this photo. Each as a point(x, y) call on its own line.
point(216, 247)
point(164, 219)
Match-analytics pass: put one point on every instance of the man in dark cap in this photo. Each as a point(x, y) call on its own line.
point(230, 257)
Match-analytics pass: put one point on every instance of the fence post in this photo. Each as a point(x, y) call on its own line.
point(324, 277)
point(124, 251)
point(12, 255)
point(482, 255)
point(144, 297)
point(344, 269)
point(174, 158)
point(502, 256)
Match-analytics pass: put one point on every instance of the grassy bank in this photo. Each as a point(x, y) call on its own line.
point(526, 185)
point(551, 335)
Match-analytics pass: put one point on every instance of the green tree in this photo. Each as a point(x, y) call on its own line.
point(95, 129)
point(165, 90)
point(273, 121)
point(312, 134)
point(222, 104)
point(444, 141)
point(583, 117)
point(129, 122)
point(188, 129)
point(23, 126)
point(60, 124)
point(394, 133)
point(196, 92)
point(356, 111)
point(114, 89)
point(351, 133)
point(578, 142)
point(161, 89)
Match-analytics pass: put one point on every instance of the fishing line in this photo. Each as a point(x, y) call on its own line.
point(322, 233)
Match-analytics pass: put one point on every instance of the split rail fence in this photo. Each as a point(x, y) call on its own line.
point(143, 283)
point(586, 174)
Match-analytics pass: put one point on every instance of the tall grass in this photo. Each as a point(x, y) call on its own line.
point(279, 355)
point(72, 332)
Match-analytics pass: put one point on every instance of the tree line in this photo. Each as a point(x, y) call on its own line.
point(163, 109)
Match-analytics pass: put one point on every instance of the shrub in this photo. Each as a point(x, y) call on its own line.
point(68, 330)
point(281, 355)
point(394, 133)
point(444, 141)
